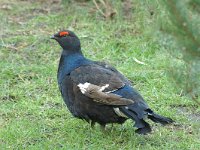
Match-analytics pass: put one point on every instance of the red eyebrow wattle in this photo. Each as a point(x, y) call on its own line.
point(64, 33)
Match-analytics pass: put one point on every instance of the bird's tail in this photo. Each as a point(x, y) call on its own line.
point(138, 114)
point(142, 126)
point(158, 118)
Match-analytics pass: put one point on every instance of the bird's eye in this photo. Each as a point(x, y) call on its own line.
point(64, 33)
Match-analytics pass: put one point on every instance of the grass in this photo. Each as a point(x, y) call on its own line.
point(33, 114)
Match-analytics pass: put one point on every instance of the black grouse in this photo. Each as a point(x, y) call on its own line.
point(97, 92)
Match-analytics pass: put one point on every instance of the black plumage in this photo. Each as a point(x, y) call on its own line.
point(97, 92)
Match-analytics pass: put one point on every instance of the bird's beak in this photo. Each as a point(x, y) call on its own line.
point(52, 37)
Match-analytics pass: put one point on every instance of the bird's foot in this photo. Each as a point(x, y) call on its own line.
point(92, 124)
point(103, 127)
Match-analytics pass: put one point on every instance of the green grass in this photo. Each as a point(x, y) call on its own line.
point(33, 114)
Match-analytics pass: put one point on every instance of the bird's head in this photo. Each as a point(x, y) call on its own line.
point(67, 40)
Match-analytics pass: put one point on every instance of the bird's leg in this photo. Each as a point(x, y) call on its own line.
point(92, 124)
point(103, 127)
point(112, 127)
point(122, 127)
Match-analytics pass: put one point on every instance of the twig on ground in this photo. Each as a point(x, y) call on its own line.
point(108, 12)
point(139, 62)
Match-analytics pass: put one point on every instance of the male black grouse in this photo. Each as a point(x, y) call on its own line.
point(97, 92)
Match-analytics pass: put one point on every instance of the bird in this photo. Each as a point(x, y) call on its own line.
point(97, 92)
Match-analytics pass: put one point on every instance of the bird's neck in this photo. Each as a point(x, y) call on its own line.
point(70, 61)
point(70, 52)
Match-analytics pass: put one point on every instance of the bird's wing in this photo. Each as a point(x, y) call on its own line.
point(97, 82)
point(111, 68)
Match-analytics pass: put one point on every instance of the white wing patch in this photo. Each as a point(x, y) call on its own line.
point(84, 87)
point(104, 87)
point(119, 113)
point(97, 94)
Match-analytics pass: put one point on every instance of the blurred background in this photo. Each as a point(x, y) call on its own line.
point(156, 44)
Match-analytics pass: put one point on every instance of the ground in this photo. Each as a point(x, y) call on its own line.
point(33, 114)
